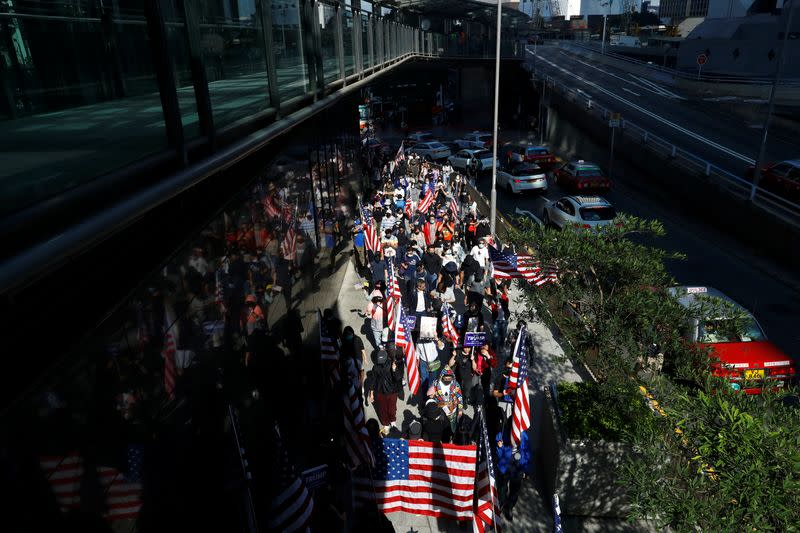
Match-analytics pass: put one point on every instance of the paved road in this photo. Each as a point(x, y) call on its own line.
point(702, 127)
point(713, 258)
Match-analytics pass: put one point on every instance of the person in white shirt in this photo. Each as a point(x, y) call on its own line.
point(481, 254)
point(198, 262)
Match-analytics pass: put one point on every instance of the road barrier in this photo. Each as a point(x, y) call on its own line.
point(766, 201)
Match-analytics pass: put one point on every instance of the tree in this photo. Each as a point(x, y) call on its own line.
point(716, 459)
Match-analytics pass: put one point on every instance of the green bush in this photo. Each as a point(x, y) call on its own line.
point(602, 412)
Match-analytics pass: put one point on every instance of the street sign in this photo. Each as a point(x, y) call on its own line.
point(701, 59)
point(614, 120)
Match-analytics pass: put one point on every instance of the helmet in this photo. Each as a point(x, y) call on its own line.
point(250, 299)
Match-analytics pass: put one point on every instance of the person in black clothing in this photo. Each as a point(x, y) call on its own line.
point(470, 270)
point(482, 231)
point(386, 378)
point(473, 318)
point(433, 265)
point(435, 424)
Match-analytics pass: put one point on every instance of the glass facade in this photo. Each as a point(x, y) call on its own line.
point(84, 84)
point(140, 429)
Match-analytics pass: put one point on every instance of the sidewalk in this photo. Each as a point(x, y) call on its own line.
point(547, 364)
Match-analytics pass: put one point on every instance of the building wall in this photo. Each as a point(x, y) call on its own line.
point(680, 9)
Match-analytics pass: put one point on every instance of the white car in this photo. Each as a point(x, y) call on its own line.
point(588, 212)
point(522, 177)
point(432, 151)
point(421, 137)
point(476, 139)
point(462, 159)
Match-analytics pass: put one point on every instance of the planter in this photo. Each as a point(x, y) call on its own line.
point(582, 472)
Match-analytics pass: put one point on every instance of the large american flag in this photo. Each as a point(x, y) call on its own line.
point(402, 338)
point(372, 239)
point(329, 352)
point(289, 244)
point(421, 478)
point(507, 265)
point(486, 496)
point(356, 437)
point(426, 202)
point(454, 206)
point(448, 328)
point(122, 491)
point(291, 503)
point(521, 414)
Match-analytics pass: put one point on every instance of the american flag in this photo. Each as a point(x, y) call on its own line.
point(448, 328)
point(507, 265)
point(168, 353)
point(270, 209)
point(356, 437)
point(426, 202)
point(393, 300)
point(401, 155)
point(409, 209)
point(421, 478)
point(372, 240)
point(454, 206)
point(289, 244)
point(329, 352)
point(486, 496)
point(122, 491)
point(291, 504)
point(521, 414)
point(402, 338)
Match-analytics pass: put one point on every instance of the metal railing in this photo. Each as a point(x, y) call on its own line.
point(736, 186)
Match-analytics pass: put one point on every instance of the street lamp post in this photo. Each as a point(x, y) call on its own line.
point(607, 5)
point(771, 106)
point(493, 209)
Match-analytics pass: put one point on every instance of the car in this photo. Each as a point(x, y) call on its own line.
point(743, 356)
point(476, 139)
point(587, 212)
point(521, 177)
point(523, 153)
point(420, 137)
point(432, 151)
point(580, 176)
point(781, 178)
point(463, 159)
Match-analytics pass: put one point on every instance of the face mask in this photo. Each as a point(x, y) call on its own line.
point(348, 337)
point(481, 246)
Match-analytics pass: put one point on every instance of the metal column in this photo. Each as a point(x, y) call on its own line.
point(339, 43)
point(165, 75)
point(204, 112)
point(264, 11)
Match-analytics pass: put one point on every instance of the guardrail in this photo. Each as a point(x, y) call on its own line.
point(683, 74)
point(736, 186)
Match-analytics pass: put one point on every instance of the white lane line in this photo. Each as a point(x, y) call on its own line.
point(648, 85)
point(657, 87)
point(629, 91)
point(659, 118)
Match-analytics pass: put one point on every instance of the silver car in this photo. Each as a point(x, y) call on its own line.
point(589, 212)
point(432, 151)
point(522, 177)
point(462, 159)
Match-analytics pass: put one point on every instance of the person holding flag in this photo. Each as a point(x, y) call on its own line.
point(513, 465)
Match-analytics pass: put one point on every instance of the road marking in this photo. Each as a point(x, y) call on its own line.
point(656, 87)
point(659, 118)
point(648, 85)
point(628, 90)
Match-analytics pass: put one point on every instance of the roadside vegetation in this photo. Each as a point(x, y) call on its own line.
point(708, 458)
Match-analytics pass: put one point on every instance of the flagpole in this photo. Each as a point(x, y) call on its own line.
point(485, 433)
point(493, 215)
